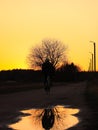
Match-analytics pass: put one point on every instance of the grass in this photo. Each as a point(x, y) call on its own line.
point(92, 88)
point(92, 100)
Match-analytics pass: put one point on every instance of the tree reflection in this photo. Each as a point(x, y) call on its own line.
point(54, 118)
point(57, 116)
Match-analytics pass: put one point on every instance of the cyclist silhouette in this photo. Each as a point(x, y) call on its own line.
point(48, 119)
point(48, 71)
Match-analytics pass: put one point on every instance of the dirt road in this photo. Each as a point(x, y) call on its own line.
point(64, 94)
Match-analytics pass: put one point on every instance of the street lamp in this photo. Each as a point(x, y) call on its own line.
point(92, 60)
point(94, 55)
point(90, 66)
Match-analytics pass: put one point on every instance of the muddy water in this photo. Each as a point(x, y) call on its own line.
point(52, 118)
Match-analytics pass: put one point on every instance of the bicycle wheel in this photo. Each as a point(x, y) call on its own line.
point(47, 85)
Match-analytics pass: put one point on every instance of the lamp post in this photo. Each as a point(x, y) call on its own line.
point(90, 69)
point(92, 60)
point(94, 55)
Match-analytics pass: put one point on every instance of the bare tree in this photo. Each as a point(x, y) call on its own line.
point(52, 49)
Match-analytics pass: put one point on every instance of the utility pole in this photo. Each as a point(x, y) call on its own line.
point(92, 61)
point(94, 55)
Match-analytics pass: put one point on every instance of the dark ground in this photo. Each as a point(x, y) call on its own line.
point(73, 94)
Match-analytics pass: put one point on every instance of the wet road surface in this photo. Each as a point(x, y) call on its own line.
point(70, 95)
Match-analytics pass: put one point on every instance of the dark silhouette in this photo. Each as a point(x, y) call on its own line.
point(48, 119)
point(48, 71)
point(70, 68)
point(53, 49)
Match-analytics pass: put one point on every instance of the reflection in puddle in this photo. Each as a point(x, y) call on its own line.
point(55, 118)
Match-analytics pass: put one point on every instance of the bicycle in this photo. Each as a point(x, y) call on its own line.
point(47, 84)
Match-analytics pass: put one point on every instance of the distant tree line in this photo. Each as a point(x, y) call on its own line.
point(20, 75)
point(61, 75)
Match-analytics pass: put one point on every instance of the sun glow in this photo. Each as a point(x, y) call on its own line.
point(25, 23)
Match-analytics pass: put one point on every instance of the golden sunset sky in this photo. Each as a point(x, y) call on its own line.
point(24, 23)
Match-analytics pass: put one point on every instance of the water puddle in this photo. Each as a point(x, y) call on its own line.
point(52, 118)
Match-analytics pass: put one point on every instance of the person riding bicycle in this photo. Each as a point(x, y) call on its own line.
point(48, 70)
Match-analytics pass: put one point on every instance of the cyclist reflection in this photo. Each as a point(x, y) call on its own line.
point(48, 119)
